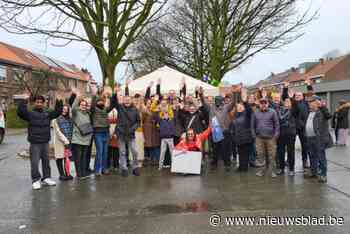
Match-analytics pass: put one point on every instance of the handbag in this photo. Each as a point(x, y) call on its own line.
point(85, 129)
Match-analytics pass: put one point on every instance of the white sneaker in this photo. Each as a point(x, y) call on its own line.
point(36, 185)
point(49, 182)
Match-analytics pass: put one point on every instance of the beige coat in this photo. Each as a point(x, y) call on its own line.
point(59, 140)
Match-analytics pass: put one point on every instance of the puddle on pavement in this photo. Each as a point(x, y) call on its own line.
point(187, 207)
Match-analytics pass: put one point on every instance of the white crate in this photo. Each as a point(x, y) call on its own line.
point(188, 162)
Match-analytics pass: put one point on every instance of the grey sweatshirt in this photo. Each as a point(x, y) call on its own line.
point(267, 124)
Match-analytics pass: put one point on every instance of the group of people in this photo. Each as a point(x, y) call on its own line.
point(261, 128)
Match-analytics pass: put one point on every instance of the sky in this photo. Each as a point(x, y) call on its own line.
point(328, 32)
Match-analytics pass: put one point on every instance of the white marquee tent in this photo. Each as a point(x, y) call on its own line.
point(170, 80)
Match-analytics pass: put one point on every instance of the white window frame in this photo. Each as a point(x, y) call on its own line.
point(17, 70)
point(3, 73)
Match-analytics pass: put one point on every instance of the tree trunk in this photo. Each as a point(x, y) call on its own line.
point(108, 73)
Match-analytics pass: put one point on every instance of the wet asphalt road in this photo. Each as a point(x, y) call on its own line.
point(159, 202)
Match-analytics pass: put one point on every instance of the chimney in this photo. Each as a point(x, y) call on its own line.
point(321, 61)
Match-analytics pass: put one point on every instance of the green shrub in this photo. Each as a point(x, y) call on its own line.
point(12, 119)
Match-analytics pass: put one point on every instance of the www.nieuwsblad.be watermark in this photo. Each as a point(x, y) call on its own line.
point(216, 220)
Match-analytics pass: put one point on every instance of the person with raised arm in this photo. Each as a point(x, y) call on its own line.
point(318, 138)
point(267, 132)
point(243, 130)
point(82, 133)
point(288, 114)
point(220, 121)
point(150, 129)
point(302, 113)
point(127, 123)
point(39, 135)
point(100, 107)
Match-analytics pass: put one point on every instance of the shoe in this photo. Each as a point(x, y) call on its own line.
point(136, 172)
point(291, 173)
point(310, 176)
point(69, 177)
point(322, 179)
point(259, 173)
point(98, 174)
point(273, 175)
point(125, 173)
point(36, 185)
point(166, 166)
point(280, 172)
point(106, 172)
point(49, 182)
point(62, 178)
point(251, 164)
point(90, 172)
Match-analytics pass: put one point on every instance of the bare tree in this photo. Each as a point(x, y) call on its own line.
point(213, 37)
point(109, 26)
point(38, 81)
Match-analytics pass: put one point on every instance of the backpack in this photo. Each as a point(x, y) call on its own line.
point(217, 133)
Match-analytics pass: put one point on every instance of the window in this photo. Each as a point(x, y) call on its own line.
point(18, 74)
point(317, 81)
point(3, 73)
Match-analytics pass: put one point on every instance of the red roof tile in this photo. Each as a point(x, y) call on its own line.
point(319, 69)
point(24, 57)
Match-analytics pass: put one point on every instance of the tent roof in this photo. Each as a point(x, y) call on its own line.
point(171, 79)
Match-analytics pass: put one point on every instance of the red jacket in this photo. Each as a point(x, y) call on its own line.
point(195, 145)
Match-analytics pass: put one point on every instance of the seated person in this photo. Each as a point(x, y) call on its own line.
point(192, 141)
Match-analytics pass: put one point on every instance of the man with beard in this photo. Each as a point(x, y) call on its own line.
point(39, 134)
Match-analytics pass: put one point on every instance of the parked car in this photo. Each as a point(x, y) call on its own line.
point(2, 126)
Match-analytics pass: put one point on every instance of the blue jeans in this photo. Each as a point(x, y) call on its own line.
point(252, 153)
point(123, 154)
point(155, 153)
point(317, 154)
point(101, 142)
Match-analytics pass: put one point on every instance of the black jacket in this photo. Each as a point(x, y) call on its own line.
point(199, 123)
point(321, 127)
point(343, 118)
point(242, 126)
point(302, 109)
point(128, 120)
point(287, 122)
point(39, 121)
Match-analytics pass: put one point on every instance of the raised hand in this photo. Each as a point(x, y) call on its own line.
point(201, 90)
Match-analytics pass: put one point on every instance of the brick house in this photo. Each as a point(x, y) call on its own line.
point(20, 68)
